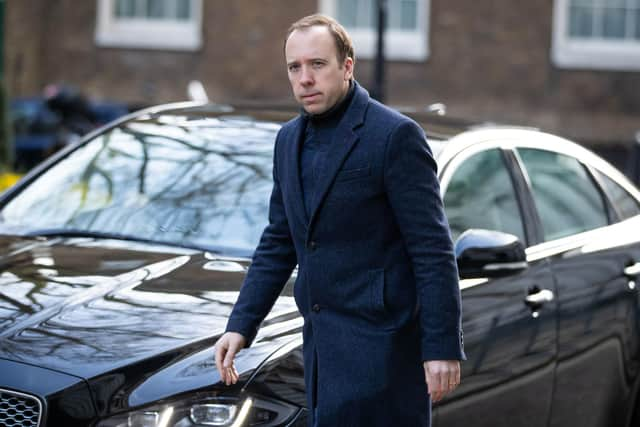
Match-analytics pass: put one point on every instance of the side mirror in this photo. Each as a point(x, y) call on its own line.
point(488, 253)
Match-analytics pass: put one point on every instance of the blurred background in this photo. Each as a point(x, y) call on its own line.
point(570, 67)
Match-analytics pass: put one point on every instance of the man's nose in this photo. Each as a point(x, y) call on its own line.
point(306, 76)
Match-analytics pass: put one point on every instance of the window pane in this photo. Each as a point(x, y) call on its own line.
point(125, 8)
point(637, 22)
point(568, 202)
point(156, 9)
point(581, 21)
point(184, 9)
point(347, 13)
point(401, 14)
point(140, 9)
point(614, 21)
point(408, 15)
point(624, 202)
point(367, 13)
point(481, 195)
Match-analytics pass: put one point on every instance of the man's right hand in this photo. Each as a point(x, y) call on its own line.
point(226, 348)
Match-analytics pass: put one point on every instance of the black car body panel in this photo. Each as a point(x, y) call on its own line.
point(138, 322)
point(63, 398)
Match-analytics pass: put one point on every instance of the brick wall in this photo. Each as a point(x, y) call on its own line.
point(489, 60)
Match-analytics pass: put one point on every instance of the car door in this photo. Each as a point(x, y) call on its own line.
point(508, 377)
point(592, 263)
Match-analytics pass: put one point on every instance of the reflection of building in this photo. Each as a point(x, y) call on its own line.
point(563, 65)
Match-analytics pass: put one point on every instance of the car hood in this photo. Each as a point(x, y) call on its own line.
point(87, 307)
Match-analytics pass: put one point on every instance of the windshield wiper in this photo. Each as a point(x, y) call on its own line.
point(68, 232)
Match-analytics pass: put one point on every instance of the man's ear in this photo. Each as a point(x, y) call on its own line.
point(348, 68)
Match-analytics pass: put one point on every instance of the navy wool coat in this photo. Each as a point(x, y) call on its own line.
point(377, 283)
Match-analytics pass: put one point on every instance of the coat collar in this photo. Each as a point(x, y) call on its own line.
point(345, 138)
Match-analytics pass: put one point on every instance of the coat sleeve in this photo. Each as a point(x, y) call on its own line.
point(273, 261)
point(413, 190)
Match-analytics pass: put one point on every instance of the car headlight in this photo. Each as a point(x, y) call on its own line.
point(216, 411)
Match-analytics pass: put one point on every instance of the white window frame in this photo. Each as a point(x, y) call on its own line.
point(112, 31)
point(398, 45)
point(597, 54)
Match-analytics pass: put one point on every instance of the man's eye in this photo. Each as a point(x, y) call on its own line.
point(318, 64)
point(294, 67)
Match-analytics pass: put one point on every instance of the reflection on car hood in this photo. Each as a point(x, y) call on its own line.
point(86, 307)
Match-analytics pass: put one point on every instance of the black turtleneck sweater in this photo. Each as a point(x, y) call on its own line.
point(318, 136)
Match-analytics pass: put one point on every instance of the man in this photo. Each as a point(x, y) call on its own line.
point(356, 204)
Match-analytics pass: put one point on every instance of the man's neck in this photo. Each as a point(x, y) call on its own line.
point(337, 109)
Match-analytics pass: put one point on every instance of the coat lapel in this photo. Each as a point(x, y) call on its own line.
point(294, 172)
point(343, 142)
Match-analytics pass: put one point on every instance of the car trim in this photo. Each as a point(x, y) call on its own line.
point(472, 283)
point(30, 397)
point(588, 241)
point(463, 146)
point(513, 138)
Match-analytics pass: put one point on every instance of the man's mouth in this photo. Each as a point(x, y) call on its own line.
point(310, 96)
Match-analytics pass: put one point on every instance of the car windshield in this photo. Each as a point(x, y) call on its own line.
point(197, 182)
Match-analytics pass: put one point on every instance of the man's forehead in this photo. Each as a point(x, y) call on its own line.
point(312, 42)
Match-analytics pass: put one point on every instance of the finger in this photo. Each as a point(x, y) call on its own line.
point(430, 382)
point(435, 386)
point(231, 353)
point(234, 375)
point(456, 378)
point(443, 379)
point(220, 354)
point(452, 381)
point(454, 375)
point(229, 368)
point(229, 379)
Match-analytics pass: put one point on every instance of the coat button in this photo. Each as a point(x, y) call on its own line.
point(312, 245)
point(315, 308)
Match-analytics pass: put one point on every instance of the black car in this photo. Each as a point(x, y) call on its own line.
point(122, 257)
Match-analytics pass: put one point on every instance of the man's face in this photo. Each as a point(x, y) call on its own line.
point(317, 79)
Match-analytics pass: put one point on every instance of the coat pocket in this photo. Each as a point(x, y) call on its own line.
point(376, 287)
point(349, 174)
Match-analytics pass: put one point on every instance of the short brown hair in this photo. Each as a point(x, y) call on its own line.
point(344, 45)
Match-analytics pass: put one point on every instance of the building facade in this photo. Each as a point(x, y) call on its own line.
point(571, 67)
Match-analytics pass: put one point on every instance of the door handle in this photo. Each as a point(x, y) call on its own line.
point(632, 271)
point(537, 299)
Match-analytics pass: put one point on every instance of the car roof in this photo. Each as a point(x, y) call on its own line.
point(438, 127)
point(447, 136)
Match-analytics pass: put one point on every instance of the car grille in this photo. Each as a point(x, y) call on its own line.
point(19, 410)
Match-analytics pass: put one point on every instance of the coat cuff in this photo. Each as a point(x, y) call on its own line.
point(446, 348)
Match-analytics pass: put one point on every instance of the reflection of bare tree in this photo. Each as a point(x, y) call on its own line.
point(91, 169)
point(146, 324)
point(210, 181)
point(23, 308)
point(127, 317)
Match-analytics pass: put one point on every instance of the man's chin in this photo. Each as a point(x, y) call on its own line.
point(314, 109)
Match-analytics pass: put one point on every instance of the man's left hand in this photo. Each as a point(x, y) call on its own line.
point(443, 376)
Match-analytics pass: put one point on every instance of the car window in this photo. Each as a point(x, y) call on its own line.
point(480, 194)
point(624, 203)
point(205, 183)
point(566, 197)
